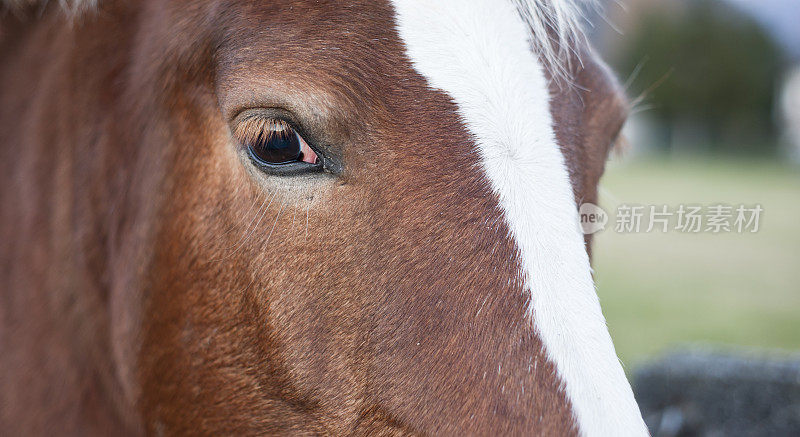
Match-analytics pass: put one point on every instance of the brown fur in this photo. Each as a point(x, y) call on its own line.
point(154, 282)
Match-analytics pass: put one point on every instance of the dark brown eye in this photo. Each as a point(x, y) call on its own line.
point(275, 147)
point(277, 144)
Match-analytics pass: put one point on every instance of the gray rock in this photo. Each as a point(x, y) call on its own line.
point(701, 392)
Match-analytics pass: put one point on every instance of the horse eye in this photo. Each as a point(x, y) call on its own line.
point(275, 147)
point(277, 143)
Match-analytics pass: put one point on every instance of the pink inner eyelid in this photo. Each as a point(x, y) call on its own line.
point(307, 153)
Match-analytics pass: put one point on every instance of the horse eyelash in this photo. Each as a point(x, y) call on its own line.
point(255, 130)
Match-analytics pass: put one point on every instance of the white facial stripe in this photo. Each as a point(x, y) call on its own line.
point(479, 53)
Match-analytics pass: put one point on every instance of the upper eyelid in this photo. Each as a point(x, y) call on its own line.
point(253, 128)
point(264, 115)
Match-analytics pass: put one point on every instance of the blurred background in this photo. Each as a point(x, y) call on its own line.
point(716, 120)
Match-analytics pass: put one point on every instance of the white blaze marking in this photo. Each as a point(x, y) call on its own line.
point(479, 53)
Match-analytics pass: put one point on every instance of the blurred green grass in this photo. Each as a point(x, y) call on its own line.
point(662, 289)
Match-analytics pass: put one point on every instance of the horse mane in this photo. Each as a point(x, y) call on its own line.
point(558, 26)
point(72, 7)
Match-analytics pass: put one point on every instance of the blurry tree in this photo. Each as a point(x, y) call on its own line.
point(704, 64)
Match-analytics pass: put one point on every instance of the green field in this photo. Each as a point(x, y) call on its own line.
point(662, 289)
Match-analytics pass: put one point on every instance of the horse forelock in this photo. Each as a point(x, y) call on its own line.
point(73, 7)
point(557, 26)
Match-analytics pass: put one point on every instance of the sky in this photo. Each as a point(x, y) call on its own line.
point(779, 17)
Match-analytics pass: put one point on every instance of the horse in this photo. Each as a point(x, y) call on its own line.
point(303, 217)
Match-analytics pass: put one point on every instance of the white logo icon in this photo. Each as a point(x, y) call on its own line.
point(593, 218)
